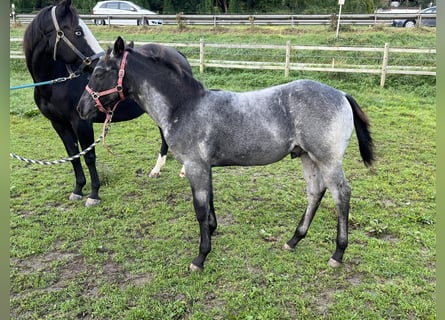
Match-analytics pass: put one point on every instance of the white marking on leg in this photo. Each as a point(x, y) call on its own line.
point(182, 172)
point(201, 196)
point(156, 171)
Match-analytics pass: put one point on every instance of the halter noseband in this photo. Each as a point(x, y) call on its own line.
point(86, 61)
point(118, 88)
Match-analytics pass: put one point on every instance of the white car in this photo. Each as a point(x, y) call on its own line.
point(115, 8)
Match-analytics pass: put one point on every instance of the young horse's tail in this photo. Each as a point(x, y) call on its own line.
point(361, 124)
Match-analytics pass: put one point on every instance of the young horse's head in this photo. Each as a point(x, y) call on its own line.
point(58, 33)
point(105, 87)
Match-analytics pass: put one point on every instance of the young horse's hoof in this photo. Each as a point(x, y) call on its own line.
point(334, 263)
point(195, 268)
point(75, 197)
point(288, 247)
point(92, 202)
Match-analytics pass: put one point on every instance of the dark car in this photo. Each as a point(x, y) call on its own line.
point(424, 20)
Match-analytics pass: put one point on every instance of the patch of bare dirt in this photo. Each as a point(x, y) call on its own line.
point(66, 268)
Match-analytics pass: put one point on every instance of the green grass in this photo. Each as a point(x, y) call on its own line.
point(128, 257)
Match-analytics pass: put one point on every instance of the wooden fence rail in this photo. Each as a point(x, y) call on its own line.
point(286, 65)
point(285, 54)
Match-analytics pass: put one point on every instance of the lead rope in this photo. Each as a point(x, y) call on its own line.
point(108, 118)
point(105, 129)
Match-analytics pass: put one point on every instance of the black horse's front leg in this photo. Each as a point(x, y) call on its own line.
point(85, 134)
point(69, 139)
point(162, 157)
point(201, 183)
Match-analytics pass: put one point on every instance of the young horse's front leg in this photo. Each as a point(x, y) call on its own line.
point(201, 183)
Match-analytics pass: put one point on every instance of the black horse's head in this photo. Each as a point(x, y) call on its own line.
point(58, 32)
point(105, 87)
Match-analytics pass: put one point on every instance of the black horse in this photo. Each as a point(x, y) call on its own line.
point(57, 43)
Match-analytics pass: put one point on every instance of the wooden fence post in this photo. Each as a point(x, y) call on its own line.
point(384, 64)
point(287, 64)
point(201, 55)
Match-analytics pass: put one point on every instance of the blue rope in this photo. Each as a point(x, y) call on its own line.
point(39, 83)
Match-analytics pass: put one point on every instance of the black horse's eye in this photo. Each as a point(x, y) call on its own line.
point(78, 32)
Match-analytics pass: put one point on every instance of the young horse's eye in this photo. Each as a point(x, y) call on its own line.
point(99, 74)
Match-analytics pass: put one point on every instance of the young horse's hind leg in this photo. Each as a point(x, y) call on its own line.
point(341, 193)
point(315, 189)
point(317, 178)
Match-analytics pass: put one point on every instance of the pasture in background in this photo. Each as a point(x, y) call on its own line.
point(127, 258)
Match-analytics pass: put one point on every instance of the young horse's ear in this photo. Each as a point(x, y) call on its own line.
point(131, 44)
point(119, 46)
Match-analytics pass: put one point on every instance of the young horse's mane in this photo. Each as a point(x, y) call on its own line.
point(161, 54)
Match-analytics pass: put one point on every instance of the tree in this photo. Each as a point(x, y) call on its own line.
point(234, 6)
point(168, 7)
point(207, 7)
point(223, 5)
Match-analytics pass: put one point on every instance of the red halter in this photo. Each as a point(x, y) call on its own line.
point(118, 88)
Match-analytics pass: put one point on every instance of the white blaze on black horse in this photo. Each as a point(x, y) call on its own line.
point(57, 43)
point(205, 128)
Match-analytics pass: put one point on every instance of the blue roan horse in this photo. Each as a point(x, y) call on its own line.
point(207, 128)
point(58, 44)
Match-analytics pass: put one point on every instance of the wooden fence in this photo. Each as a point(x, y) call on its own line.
point(287, 58)
point(383, 68)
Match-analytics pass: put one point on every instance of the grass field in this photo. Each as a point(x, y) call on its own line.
point(128, 258)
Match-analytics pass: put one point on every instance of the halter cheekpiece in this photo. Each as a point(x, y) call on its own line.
point(118, 88)
point(60, 35)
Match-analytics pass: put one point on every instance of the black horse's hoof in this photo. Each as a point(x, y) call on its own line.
point(334, 263)
point(92, 202)
point(75, 197)
point(195, 268)
point(288, 247)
